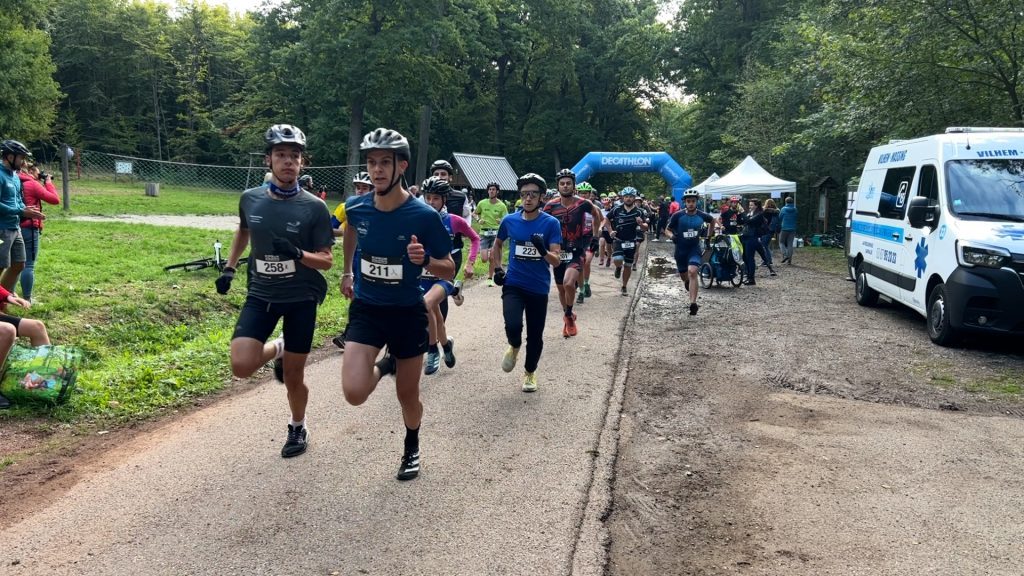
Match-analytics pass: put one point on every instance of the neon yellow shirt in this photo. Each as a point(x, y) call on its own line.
point(491, 214)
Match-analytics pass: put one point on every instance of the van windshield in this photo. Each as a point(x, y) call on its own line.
point(990, 188)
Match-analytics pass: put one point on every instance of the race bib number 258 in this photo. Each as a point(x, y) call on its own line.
point(275, 268)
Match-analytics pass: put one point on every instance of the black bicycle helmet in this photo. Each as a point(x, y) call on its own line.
point(531, 178)
point(14, 147)
point(284, 134)
point(435, 185)
point(385, 139)
point(565, 173)
point(306, 181)
point(362, 178)
point(495, 185)
point(442, 165)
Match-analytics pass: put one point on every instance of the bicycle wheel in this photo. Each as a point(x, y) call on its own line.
point(707, 275)
point(191, 266)
point(737, 280)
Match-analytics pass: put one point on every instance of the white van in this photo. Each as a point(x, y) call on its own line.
point(937, 224)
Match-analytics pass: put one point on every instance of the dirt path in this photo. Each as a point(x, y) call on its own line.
point(785, 430)
point(189, 221)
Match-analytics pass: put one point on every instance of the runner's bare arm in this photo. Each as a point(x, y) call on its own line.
point(554, 255)
point(238, 245)
point(495, 258)
point(322, 259)
point(349, 247)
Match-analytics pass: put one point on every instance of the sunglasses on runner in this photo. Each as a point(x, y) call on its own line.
point(530, 194)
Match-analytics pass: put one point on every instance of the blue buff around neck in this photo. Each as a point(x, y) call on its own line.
point(282, 192)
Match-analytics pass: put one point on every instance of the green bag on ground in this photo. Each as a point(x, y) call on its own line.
point(44, 374)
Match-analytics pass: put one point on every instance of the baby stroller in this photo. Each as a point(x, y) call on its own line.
point(724, 262)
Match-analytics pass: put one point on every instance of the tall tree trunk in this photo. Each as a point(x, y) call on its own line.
point(499, 113)
point(355, 129)
point(156, 120)
point(423, 148)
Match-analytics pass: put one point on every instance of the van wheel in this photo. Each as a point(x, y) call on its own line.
point(866, 295)
point(939, 329)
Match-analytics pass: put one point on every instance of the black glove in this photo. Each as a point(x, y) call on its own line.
point(538, 242)
point(224, 282)
point(284, 247)
point(499, 276)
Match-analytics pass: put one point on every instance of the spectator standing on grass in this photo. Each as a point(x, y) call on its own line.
point(12, 211)
point(787, 230)
point(36, 188)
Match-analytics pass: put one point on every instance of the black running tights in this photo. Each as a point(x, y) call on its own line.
point(516, 302)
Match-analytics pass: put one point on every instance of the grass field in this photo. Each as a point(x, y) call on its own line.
point(107, 198)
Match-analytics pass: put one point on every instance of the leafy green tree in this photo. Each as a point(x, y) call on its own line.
point(26, 74)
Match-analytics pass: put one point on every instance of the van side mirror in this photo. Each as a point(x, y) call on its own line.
point(923, 212)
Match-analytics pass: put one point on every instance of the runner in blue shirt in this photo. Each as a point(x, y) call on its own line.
point(535, 240)
point(397, 237)
point(684, 229)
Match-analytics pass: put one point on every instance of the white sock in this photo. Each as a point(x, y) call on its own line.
point(293, 423)
point(279, 348)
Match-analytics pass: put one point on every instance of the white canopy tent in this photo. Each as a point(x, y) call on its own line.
point(702, 188)
point(749, 178)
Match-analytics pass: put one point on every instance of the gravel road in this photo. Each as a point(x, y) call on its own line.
point(786, 430)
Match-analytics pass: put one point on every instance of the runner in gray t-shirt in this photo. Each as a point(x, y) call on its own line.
point(290, 234)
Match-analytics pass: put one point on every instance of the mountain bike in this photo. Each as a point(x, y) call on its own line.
point(215, 262)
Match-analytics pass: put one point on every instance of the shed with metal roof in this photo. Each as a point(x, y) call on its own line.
point(477, 170)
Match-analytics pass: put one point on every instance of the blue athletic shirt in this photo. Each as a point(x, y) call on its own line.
point(526, 268)
point(686, 227)
point(384, 276)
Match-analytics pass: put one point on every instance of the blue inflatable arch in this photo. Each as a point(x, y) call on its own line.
point(660, 162)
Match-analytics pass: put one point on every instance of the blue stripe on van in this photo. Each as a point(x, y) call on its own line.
point(879, 231)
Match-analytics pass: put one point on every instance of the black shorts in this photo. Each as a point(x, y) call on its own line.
point(607, 236)
point(259, 318)
point(589, 243)
point(11, 320)
point(403, 329)
point(628, 255)
point(576, 262)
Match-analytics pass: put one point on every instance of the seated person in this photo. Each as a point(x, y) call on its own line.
point(12, 327)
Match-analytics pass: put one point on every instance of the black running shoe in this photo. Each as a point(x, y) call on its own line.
point(298, 437)
point(448, 348)
point(618, 271)
point(693, 309)
point(410, 466)
point(279, 370)
point(386, 365)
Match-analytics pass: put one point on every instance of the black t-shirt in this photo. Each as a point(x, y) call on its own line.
point(456, 204)
point(624, 223)
point(730, 222)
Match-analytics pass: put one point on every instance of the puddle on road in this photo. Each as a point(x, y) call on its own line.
point(660, 267)
point(662, 289)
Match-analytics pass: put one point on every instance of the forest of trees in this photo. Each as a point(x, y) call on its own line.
point(805, 86)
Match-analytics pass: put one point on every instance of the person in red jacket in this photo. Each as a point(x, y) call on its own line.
point(36, 188)
point(11, 327)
